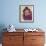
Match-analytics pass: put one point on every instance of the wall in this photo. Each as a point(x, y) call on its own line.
point(9, 13)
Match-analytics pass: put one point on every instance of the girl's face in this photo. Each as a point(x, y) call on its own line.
point(27, 12)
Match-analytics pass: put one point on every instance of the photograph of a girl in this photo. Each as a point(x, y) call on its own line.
point(26, 13)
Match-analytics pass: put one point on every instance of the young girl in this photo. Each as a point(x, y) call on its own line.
point(27, 14)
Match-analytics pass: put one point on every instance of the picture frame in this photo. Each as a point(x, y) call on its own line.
point(26, 13)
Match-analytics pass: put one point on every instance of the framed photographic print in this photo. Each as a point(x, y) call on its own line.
point(26, 13)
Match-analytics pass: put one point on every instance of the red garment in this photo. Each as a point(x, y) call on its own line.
point(29, 17)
